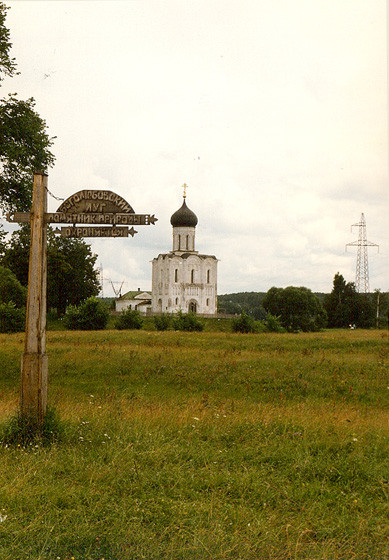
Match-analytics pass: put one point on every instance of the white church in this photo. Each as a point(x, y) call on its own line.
point(183, 279)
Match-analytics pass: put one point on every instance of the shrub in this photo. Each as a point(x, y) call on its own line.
point(187, 322)
point(11, 318)
point(273, 323)
point(129, 319)
point(243, 323)
point(90, 315)
point(162, 322)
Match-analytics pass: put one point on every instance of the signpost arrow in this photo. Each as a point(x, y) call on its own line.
point(104, 218)
point(97, 231)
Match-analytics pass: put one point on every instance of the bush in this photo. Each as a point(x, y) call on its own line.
point(11, 318)
point(90, 315)
point(162, 322)
point(244, 324)
point(187, 322)
point(273, 323)
point(129, 319)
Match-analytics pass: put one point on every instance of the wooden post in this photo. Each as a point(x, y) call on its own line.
point(34, 361)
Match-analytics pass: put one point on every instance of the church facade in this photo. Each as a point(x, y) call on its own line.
point(183, 279)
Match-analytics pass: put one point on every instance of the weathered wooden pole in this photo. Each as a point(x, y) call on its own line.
point(33, 400)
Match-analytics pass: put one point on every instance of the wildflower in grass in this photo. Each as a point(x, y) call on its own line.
point(3, 518)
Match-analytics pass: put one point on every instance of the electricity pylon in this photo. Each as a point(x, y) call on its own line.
point(362, 268)
point(100, 274)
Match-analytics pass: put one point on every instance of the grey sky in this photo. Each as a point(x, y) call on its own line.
point(274, 112)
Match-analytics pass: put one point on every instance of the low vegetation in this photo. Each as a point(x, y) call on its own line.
point(12, 319)
point(90, 315)
point(187, 322)
point(129, 319)
point(188, 445)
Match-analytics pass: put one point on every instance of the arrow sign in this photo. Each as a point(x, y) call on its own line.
point(86, 218)
point(98, 231)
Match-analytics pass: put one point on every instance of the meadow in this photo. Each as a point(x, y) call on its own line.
point(197, 446)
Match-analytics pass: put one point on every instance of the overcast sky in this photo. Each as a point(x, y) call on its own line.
point(274, 112)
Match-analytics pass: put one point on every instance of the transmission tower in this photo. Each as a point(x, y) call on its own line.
point(100, 273)
point(362, 269)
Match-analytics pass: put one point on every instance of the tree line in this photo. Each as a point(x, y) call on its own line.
point(298, 308)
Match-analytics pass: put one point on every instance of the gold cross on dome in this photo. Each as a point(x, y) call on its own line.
point(184, 186)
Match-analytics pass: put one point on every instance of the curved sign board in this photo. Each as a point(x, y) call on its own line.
point(94, 208)
point(95, 202)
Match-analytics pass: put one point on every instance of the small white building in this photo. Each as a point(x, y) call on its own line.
point(184, 279)
point(139, 301)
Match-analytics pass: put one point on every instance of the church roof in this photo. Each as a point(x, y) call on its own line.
point(184, 217)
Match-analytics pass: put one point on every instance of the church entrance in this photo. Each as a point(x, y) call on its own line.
point(192, 307)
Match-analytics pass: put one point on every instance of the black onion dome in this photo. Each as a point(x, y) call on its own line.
point(184, 217)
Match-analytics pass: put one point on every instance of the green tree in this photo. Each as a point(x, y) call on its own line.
point(297, 308)
point(11, 290)
point(25, 144)
point(71, 273)
point(7, 64)
point(345, 306)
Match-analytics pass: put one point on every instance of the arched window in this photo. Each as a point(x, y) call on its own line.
point(187, 242)
point(179, 242)
point(208, 300)
point(176, 300)
point(192, 276)
point(208, 276)
point(176, 275)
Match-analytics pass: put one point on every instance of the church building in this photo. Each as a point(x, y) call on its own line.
point(184, 279)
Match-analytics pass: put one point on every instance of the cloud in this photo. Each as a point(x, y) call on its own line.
point(274, 114)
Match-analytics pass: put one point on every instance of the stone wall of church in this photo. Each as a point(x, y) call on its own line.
point(187, 282)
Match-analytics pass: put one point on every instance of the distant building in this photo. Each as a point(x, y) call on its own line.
point(140, 301)
point(184, 279)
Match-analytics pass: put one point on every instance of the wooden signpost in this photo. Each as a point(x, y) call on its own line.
point(102, 214)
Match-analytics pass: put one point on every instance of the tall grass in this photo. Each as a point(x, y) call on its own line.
point(202, 445)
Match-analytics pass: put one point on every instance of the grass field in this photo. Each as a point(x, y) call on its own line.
point(202, 446)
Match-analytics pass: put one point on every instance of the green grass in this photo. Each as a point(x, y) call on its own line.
point(202, 445)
